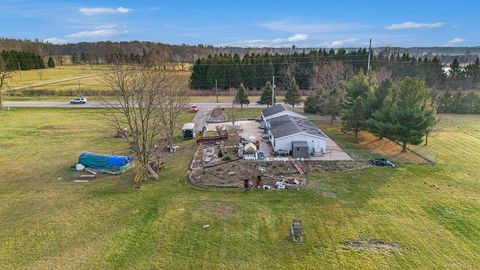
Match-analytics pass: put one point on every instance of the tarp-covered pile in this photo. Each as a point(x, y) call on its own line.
point(106, 163)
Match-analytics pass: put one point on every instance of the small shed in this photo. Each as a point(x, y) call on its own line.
point(300, 149)
point(250, 148)
point(188, 131)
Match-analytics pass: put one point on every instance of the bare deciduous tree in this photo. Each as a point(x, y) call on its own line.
point(5, 74)
point(148, 104)
point(330, 75)
point(175, 98)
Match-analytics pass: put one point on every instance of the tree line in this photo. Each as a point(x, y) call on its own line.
point(254, 70)
point(458, 102)
point(403, 112)
point(15, 60)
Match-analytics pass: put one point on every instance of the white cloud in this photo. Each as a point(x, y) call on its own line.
point(99, 32)
point(454, 41)
point(339, 43)
point(104, 11)
point(295, 38)
point(414, 25)
point(457, 40)
point(54, 40)
point(276, 42)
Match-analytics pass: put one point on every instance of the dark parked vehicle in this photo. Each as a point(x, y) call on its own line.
point(382, 162)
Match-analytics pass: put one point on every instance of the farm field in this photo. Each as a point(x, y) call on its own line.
point(411, 216)
point(35, 76)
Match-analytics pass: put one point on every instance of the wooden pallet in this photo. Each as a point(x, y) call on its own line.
point(298, 167)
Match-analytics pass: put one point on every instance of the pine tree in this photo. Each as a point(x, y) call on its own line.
point(51, 63)
point(266, 97)
point(412, 111)
point(292, 95)
point(354, 118)
point(334, 104)
point(359, 89)
point(378, 107)
point(241, 97)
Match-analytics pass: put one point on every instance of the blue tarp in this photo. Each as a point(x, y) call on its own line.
point(105, 163)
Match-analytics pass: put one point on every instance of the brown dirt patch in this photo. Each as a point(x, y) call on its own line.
point(334, 166)
point(217, 208)
point(387, 148)
point(374, 245)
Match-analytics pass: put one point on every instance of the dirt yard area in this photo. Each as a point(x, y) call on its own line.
point(247, 129)
point(233, 174)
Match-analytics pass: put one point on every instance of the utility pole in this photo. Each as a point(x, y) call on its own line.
point(369, 55)
point(79, 90)
point(216, 90)
point(20, 70)
point(273, 90)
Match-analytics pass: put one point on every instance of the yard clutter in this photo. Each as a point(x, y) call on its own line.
point(106, 163)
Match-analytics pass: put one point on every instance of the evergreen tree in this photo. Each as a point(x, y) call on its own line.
point(334, 104)
point(292, 95)
point(241, 97)
point(266, 97)
point(412, 112)
point(51, 63)
point(379, 111)
point(354, 119)
point(359, 91)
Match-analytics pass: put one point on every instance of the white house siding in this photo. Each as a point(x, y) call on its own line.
point(285, 143)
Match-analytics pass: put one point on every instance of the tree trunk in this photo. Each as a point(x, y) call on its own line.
point(356, 135)
point(1, 104)
point(426, 139)
point(152, 172)
point(404, 146)
point(332, 117)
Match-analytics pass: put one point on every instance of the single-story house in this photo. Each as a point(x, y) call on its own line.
point(287, 130)
point(279, 110)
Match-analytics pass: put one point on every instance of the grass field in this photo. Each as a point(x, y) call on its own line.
point(427, 216)
point(35, 76)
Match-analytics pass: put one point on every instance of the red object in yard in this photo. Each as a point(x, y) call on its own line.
point(298, 167)
point(194, 108)
point(257, 144)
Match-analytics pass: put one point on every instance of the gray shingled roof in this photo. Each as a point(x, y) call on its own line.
point(299, 144)
point(287, 125)
point(279, 108)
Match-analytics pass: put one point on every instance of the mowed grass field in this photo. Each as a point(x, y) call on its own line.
point(426, 216)
point(37, 76)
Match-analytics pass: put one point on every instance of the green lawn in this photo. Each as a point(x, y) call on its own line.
point(431, 212)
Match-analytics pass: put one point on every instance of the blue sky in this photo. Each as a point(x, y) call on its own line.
point(341, 23)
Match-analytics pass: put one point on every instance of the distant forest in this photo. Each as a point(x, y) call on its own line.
point(98, 51)
point(319, 68)
point(227, 67)
point(19, 60)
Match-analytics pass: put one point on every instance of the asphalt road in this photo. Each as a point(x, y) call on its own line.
point(93, 104)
